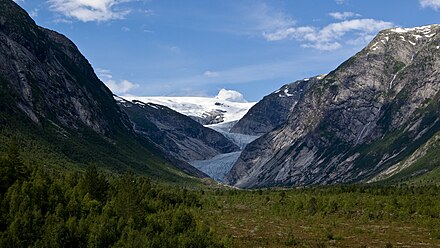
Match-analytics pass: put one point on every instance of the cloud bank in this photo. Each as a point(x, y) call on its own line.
point(88, 11)
point(330, 37)
point(434, 4)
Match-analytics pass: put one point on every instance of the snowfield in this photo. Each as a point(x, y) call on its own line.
point(227, 106)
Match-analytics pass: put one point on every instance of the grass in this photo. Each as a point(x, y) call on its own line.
point(283, 218)
point(432, 177)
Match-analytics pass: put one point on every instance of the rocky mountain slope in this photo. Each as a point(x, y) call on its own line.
point(51, 96)
point(273, 110)
point(372, 112)
point(175, 133)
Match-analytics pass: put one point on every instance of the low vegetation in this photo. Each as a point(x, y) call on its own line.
point(335, 216)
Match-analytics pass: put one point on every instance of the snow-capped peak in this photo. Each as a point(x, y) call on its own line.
point(227, 106)
point(422, 29)
point(230, 95)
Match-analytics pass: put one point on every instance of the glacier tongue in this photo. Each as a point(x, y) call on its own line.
point(218, 166)
point(239, 139)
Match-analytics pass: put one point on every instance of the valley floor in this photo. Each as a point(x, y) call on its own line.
point(324, 218)
point(46, 207)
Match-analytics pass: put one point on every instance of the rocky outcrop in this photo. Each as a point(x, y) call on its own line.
point(370, 113)
point(273, 110)
point(215, 116)
point(175, 133)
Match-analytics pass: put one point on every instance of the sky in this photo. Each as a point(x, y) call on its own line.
point(196, 48)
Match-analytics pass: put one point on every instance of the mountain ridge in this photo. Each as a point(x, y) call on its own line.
point(357, 120)
point(53, 98)
point(176, 133)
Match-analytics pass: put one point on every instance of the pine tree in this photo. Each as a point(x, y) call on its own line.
point(96, 184)
point(11, 167)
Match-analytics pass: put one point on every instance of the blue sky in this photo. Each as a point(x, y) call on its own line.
point(181, 48)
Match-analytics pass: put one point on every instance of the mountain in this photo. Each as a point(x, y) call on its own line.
point(227, 106)
point(376, 111)
point(175, 133)
point(273, 110)
point(62, 114)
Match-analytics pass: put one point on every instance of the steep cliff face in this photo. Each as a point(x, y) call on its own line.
point(175, 133)
point(273, 110)
point(48, 78)
point(371, 112)
point(51, 96)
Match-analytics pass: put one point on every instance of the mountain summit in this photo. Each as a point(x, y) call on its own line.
point(370, 114)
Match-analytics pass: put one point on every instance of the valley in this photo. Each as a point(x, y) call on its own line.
point(219, 166)
point(349, 158)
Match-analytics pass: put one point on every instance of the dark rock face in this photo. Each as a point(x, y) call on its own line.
point(273, 110)
point(50, 91)
point(49, 78)
point(177, 134)
point(368, 114)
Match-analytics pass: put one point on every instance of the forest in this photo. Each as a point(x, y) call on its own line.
point(43, 207)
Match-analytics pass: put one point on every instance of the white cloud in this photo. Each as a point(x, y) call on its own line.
point(87, 10)
point(125, 29)
point(104, 74)
point(211, 74)
point(340, 2)
point(330, 36)
point(291, 32)
point(230, 95)
point(33, 13)
point(435, 4)
point(122, 87)
point(343, 15)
